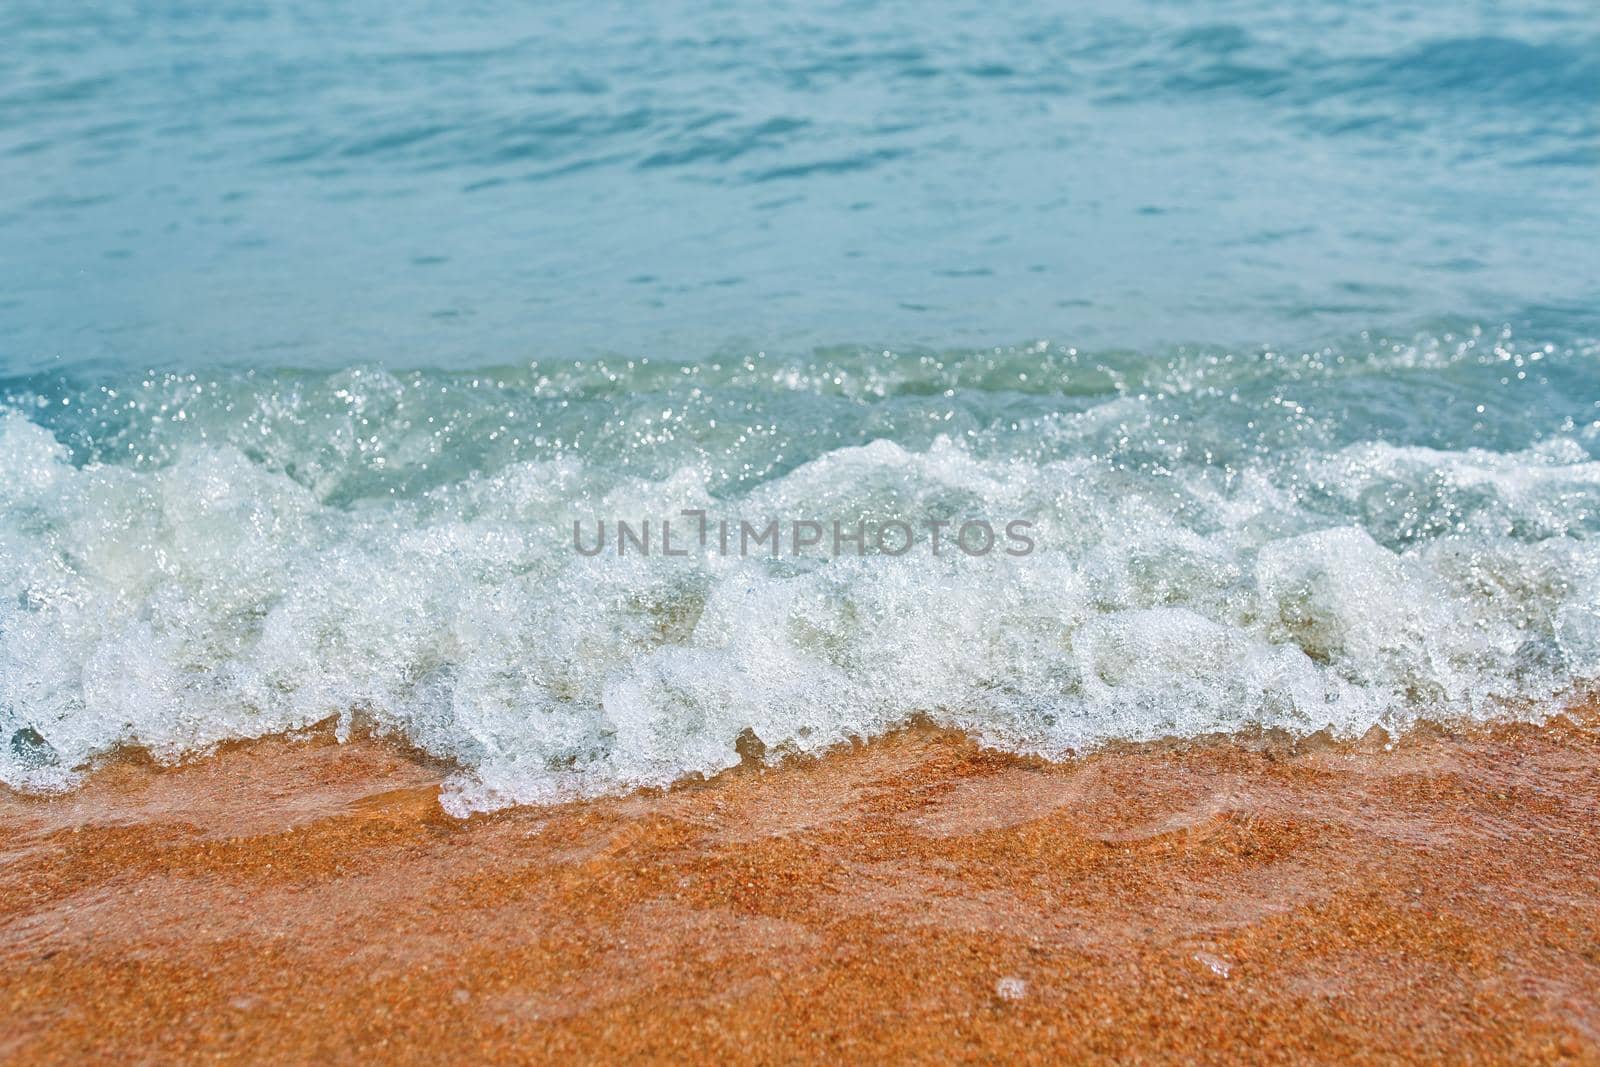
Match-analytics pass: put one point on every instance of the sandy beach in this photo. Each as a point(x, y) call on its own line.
point(917, 898)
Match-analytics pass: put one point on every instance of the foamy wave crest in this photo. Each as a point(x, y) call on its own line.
point(216, 597)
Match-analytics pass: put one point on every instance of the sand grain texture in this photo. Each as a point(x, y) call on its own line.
point(913, 899)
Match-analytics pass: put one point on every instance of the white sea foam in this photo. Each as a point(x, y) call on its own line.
point(215, 597)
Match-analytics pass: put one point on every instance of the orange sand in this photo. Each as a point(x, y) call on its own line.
point(916, 898)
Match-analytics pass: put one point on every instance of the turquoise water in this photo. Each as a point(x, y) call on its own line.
point(320, 325)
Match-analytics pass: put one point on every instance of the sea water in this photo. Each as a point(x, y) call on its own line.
point(321, 325)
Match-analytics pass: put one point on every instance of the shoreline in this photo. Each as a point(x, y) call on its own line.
point(916, 897)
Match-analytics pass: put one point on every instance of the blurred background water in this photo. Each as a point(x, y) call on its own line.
point(311, 184)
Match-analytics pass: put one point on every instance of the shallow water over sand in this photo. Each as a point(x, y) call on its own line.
point(916, 897)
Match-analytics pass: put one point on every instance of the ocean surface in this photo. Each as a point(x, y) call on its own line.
point(322, 324)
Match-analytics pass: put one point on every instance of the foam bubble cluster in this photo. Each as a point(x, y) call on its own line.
point(222, 592)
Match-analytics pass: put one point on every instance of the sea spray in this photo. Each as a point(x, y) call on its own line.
point(1216, 548)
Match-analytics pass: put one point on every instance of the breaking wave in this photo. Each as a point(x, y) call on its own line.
point(1224, 540)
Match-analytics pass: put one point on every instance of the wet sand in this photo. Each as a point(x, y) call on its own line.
point(913, 899)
